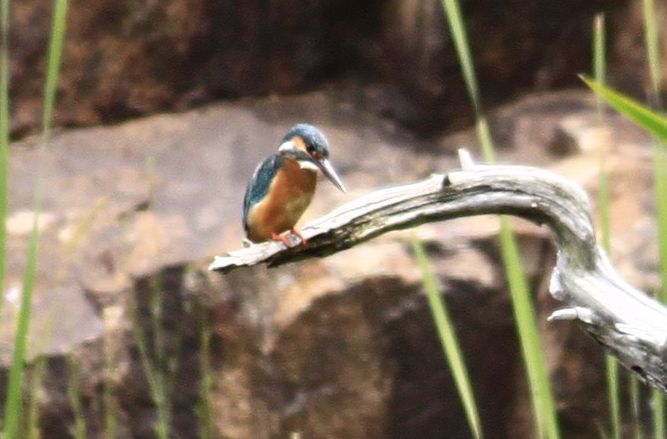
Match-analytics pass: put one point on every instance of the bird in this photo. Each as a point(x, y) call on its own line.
point(283, 185)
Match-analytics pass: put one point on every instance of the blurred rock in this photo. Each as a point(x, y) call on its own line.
point(630, 67)
point(517, 46)
point(123, 59)
point(336, 347)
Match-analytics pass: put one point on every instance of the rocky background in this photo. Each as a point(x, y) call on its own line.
point(166, 108)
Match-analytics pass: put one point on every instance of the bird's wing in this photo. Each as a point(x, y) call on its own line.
point(259, 184)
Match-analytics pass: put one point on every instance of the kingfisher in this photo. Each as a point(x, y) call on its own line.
point(283, 185)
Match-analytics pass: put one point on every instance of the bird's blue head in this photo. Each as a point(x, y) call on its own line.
point(310, 146)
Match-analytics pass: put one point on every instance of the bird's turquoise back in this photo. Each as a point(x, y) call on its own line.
point(259, 184)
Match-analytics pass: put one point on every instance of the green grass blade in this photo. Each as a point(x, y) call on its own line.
point(149, 369)
point(36, 379)
point(13, 403)
point(158, 364)
point(635, 407)
point(652, 49)
point(642, 115)
point(204, 411)
point(611, 365)
point(658, 407)
point(460, 37)
point(660, 177)
point(545, 414)
point(603, 201)
point(4, 137)
point(524, 313)
point(485, 138)
point(13, 406)
point(162, 366)
point(109, 396)
point(599, 52)
point(447, 334)
point(659, 174)
point(78, 429)
point(54, 61)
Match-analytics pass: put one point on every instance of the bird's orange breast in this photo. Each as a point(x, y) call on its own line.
point(288, 197)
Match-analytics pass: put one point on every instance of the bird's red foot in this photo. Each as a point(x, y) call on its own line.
point(282, 238)
point(304, 241)
point(285, 238)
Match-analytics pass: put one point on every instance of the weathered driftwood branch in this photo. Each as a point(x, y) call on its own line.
point(625, 320)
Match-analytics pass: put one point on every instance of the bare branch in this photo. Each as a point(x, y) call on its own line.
point(627, 321)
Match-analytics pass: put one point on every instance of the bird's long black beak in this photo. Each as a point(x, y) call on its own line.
point(330, 172)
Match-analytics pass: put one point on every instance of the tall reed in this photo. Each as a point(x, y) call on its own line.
point(13, 404)
point(448, 339)
point(540, 388)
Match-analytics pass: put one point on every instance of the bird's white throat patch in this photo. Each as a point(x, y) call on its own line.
point(307, 164)
point(286, 146)
point(303, 164)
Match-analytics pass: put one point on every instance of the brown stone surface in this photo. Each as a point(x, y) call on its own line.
point(123, 58)
point(628, 49)
point(336, 347)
